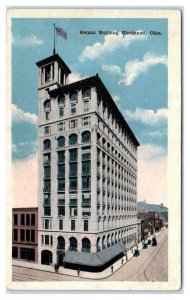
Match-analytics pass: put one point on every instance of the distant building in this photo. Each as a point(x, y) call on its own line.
point(150, 223)
point(87, 171)
point(25, 234)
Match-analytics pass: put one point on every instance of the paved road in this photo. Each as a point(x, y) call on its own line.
point(151, 265)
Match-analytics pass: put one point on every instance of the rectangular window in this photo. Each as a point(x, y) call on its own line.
point(73, 169)
point(86, 121)
point(61, 126)
point(47, 172)
point(61, 184)
point(85, 225)
point(61, 171)
point(47, 186)
point(51, 240)
point(22, 235)
point(32, 219)
point(47, 159)
point(61, 210)
point(14, 252)
point(28, 235)
point(22, 219)
point(72, 225)
point(27, 219)
point(86, 167)
point(33, 236)
point(86, 106)
point(46, 224)
point(61, 112)
point(60, 224)
point(73, 183)
point(47, 129)
point(47, 115)
point(73, 211)
point(73, 109)
point(47, 211)
point(46, 239)
point(86, 182)
point(15, 219)
point(86, 153)
point(15, 235)
point(61, 156)
point(73, 154)
point(73, 124)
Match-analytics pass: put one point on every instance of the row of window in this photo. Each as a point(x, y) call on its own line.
point(25, 219)
point(73, 140)
point(23, 253)
point(85, 121)
point(26, 235)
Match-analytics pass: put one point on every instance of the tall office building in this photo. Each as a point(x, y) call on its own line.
point(87, 172)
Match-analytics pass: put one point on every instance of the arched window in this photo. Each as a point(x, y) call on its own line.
point(60, 243)
point(116, 240)
point(112, 239)
point(86, 245)
point(46, 257)
point(61, 141)
point(61, 100)
point(98, 138)
point(108, 241)
point(73, 244)
point(73, 139)
point(98, 245)
point(47, 105)
point(103, 242)
point(86, 93)
point(47, 144)
point(86, 137)
point(73, 97)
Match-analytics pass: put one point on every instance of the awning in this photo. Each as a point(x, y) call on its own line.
point(94, 259)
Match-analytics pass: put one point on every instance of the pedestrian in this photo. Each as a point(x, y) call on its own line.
point(78, 272)
point(112, 268)
point(55, 267)
point(122, 261)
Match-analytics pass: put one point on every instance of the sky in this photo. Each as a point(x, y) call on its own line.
point(133, 69)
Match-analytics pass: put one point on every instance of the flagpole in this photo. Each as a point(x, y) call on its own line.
point(54, 39)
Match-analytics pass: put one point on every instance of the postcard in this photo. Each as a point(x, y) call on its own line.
point(94, 110)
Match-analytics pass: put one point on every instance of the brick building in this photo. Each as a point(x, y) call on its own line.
point(25, 233)
point(150, 223)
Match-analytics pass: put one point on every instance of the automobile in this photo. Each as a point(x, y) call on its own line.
point(154, 241)
point(136, 252)
point(149, 242)
point(145, 245)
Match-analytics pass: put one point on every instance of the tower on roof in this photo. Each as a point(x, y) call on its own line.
point(53, 72)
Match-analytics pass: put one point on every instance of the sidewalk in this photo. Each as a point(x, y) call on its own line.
point(89, 275)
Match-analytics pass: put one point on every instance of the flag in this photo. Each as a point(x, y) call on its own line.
point(61, 32)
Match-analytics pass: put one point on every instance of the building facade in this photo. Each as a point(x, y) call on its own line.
point(25, 234)
point(87, 171)
point(150, 223)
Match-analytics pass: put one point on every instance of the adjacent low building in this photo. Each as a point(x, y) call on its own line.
point(150, 223)
point(25, 234)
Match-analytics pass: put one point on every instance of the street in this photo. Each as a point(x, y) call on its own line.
point(151, 265)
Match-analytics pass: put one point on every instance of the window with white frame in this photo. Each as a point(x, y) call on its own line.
point(61, 126)
point(47, 129)
point(73, 108)
point(73, 124)
point(86, 105)
point(86, 121)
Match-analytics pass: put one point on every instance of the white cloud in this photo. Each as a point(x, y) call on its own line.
point(25, 149)
point(136, 67)
point(151, 152)
point(20, 116)
point(111, 69)
point(25, 182)
point(74, 77)
point(147, 116)
point(156, 134)
point(116, 99)
point(27, 41)
point(110, 44)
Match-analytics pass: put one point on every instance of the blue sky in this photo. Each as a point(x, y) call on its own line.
point(147, 92)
